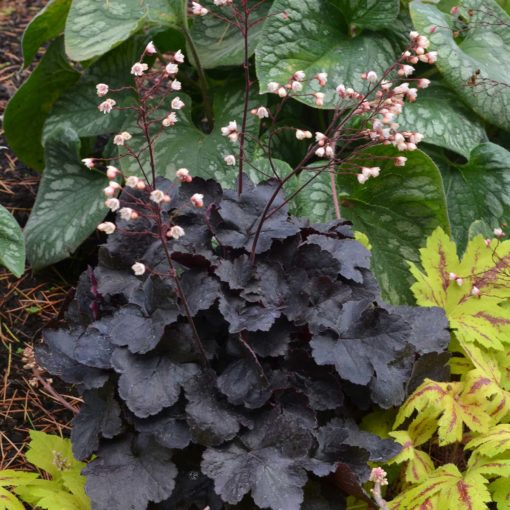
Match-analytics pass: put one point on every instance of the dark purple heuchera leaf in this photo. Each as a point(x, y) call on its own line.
point(148, 384)
point(129, 473)
point(369, 348)
point(242, 315)
point(130, 328)
point(286, 342)
point(58, 357)
point(99, 416)
point(169, 428)
point(236, 221)
point(211, 419)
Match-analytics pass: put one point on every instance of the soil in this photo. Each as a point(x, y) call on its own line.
point(29, 303)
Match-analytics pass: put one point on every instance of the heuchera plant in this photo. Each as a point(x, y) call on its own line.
point(226, 350)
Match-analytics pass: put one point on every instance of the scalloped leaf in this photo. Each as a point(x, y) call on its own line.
point(313, 37)
point(69, 204)
point(492, 443)
point(484, 46)
point(453, 405)
point(474, 319)
point(371, 14)
point(446, 487)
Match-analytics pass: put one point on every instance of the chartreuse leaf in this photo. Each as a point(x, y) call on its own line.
point(78, 107)
point(46, 25)
point(443, 120)
point(185, 145)
point(69, 202)
point(12, 478)
point(477, 191)
point(500, 490)
point(369, 13)
point(474, 319)
point(94, 27)
point(492, 443)
point(483, 46)
point(12, 244)
point(452, 405)
point(419, 464)
point(52, 454)
point(219, 43)
point(446, 488)
point(313, 37)
point(28, 109)
point(9, 501)
point(397, 211)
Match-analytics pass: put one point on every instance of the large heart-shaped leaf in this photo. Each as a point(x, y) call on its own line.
point(27, 110)
point(220, 44)
point(485, 46)
point(369, 13)
point(69, 202)
point(443, 120)
point(310, 38)
point(12, 244)
point(78, 107)
point(397, 211)
point(46, 25)
point(477, 190)
point(94, 27)
point(185, 145)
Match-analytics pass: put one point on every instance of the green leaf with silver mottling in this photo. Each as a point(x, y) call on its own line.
point(48, 24)
point(311, 38)
point(485, 46)
point(314, 200)
point(369, 13)
point(12, 244)
point(477, 190)
point(28, 109)
point(397, 211)
point(221, 44)
point(69, 202)
point(94, 27)
point(444, 120)
point(185, 145)
point(78, 107)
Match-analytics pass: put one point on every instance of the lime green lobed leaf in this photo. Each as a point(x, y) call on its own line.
point(444, 120)
point(94, 27)
point(9, 501)
point(397, 211)
point(369, 13)
point(475, 319)
point(485, 47)
point(446, 488)
point(12, 244)
point(27, 111)
point(313, 38)
point(492, 443)
point(500, 490)
point(69, 202)
point(45, 26)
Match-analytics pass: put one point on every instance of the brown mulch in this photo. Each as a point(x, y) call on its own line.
point(29, 303)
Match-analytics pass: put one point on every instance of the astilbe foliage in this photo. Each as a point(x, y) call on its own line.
point(259, 394)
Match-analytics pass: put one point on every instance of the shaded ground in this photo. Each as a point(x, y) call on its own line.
point(28, 303)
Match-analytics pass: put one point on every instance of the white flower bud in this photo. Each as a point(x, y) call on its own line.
point(126, 213)
point(88, 162)
point(132, 181)
point(107, 227)
point(138, 268)
point(112, 172)
point(175, 232)
point(112, 203)
point(157, 196)
point(138, 68)
point(197, 200)
point(183, 175)
point(176, 85)
point(102, 89)
point(150, 49)
point(230, 160)
point(179, 57)
point(273, 86)
point(177, 104)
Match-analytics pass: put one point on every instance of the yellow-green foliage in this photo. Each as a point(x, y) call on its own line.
point(456, 435)
point(61, 488)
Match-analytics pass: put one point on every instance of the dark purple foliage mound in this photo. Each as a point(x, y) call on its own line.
point(293, 350)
